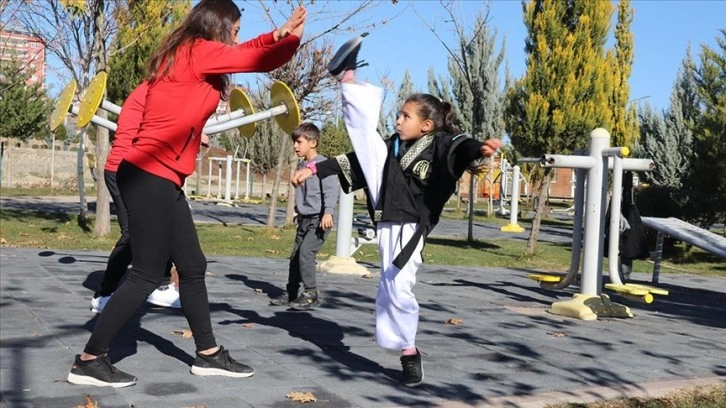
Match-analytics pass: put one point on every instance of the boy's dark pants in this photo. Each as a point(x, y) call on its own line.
point(308, 240)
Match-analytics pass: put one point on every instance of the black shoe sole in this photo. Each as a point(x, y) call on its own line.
point(306, 306)
point(334, 66)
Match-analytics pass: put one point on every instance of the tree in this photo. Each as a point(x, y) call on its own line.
point(77, 33)
point(564, 93)
point(24, 108)
point(474, 68)
point(707, 181)
point(306, 73)
point(334, 139)
point(624, 121)
point(142, 25)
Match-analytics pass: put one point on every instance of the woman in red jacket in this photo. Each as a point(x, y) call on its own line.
point(188, 75)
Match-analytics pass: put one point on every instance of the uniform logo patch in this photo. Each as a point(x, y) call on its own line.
point(421, 169)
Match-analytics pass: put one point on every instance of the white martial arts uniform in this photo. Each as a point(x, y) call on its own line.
point(397, 310)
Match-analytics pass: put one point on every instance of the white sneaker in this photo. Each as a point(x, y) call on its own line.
point(98, 303)
point(165, 296)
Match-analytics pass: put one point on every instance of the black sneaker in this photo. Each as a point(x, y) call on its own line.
point(307, 300)
point(220, 363)
point(346, 57)
point(283, 300)
point(413, 373)
point(99, 372)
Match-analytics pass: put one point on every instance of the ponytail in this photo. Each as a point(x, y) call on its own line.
point(438, 111)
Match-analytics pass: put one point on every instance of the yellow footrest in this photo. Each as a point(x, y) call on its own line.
point(545, 278)
point(631, 292)
point(651, 289)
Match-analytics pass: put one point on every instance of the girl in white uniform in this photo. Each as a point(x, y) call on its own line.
point(409, 177)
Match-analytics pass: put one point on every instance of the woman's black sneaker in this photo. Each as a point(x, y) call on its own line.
point(99, 372)
point(413, 373)
point(220, 363)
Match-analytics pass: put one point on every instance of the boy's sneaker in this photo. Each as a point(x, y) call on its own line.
point(99, 372)
point(220, 363)
point(98, 303)
point(165, 296)
point(413, 373)
point(346, 57)
point(283, 300)
point(307, 300)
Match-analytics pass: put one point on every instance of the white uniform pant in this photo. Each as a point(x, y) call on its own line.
point(396, 307)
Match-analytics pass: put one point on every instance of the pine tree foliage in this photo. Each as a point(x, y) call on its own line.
point(142, 25)
point(624, 131)
point(565, 91)
point(24, 108)
point(707, 184)
point(475, 86)
point(661, 143)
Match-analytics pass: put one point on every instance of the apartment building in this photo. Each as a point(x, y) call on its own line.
point(28, 50)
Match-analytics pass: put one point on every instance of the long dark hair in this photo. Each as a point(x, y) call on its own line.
point(209, 20)
point(431, 107)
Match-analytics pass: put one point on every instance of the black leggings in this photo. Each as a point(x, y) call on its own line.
point(160, 227)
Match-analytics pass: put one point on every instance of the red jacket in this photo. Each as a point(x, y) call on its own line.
point(178, 105)
point(128, 125)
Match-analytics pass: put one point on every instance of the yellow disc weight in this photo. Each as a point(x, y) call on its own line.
point(65, 100)
point(92, 99)
point(280, 94)
point(238, 99)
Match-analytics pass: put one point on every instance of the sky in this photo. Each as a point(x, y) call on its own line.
point(663, 29)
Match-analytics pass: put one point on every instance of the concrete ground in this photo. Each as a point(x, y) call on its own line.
point(504, 349)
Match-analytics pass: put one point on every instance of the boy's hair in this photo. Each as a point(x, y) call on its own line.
point(431, 107)
point(308, 131)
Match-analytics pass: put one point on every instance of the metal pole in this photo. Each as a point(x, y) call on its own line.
point(614, 241)
point(599, 140)
point(345, 225)
point(227, 179)
point(209, 179)
point(514, 206)
point(247, 183)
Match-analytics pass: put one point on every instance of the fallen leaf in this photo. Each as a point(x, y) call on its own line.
point(454, 321)
point(271, 251)
point(24, 234)
point(302, 397)
point(557, 334)
point(274, 237)
point(89, 402)
point(258, 290)
point(367, 276)
point(185, 333)
point(3, 241)
point(248, 325)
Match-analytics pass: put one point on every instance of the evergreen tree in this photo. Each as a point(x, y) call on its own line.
point(142, 25)
point(334, 139)
point(624, 130)
point(24, 108)
point(707, 182)
point(565, 91)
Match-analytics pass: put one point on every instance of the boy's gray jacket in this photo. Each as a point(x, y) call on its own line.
point(316, 197)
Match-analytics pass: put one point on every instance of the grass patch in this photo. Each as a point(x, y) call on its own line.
point(19, 228)
point(698, 397)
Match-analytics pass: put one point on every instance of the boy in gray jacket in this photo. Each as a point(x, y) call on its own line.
point(315, 201)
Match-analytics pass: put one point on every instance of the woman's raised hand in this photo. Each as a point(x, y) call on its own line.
point(295, 25)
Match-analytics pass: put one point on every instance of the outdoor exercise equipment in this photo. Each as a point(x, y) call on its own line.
point(590, 303)
point(285, 109)
point(227, 163)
